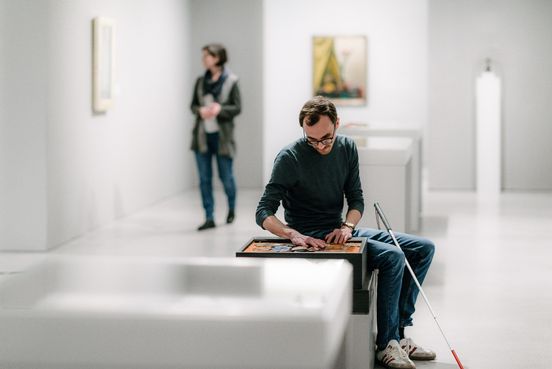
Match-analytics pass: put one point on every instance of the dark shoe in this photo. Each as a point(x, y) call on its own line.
point(209, 223)
point(230, 217)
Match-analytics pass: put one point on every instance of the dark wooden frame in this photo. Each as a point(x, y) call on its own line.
point(357, 260)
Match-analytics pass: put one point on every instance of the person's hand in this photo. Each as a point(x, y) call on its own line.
point(301, 240)
point(339, 235)
point(205, 112)
point(215, 108)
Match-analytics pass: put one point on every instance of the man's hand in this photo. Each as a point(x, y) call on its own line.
point(301, 240)
point(276, 227)
point(339, 235)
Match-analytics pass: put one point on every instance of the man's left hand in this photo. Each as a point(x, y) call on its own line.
point(339, 235)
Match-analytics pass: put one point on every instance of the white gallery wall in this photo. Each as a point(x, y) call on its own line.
point(238, 25)
point(515, 35)
point(66, 170)
point(396, 32)
point(23, 123)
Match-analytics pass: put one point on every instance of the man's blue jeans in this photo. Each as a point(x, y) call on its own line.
point(397, 291)
point(205, 169)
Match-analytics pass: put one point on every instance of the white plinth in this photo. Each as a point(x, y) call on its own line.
point(361, 333)
point(386, 175)
point(197, 313)
point(392, 129)
point(488, 136)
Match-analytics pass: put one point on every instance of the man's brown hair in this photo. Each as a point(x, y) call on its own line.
point(314, 108)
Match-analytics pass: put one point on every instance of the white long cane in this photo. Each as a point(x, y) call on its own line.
point(381, 215)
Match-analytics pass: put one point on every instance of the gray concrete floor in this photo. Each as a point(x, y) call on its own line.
point(489, 283)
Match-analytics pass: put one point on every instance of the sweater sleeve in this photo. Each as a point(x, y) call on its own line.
point(283, 174)
point(353, 188)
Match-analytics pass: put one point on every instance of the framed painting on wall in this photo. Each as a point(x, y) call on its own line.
point(339, 68)
point(103, 30)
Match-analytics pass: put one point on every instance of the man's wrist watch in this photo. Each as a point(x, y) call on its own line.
point(349, 225)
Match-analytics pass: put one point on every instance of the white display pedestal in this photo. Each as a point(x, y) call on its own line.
point(361, 333)
point(390, 129)
point(488, 136)
point(106, 313)
point(386, 174)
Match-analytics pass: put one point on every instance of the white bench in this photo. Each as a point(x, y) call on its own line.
point(102, 313)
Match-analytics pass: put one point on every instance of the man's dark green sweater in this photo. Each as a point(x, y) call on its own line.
point(311, 186)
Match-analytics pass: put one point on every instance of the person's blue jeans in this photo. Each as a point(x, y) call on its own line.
point(397, 292)
point(205, 169)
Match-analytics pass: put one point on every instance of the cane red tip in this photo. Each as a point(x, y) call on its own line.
point(457, 359)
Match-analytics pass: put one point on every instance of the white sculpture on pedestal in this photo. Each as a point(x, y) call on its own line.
point(488, 134)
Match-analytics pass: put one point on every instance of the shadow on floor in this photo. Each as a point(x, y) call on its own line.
point(427, 365)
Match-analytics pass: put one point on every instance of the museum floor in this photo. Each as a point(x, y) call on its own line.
point(489, 282)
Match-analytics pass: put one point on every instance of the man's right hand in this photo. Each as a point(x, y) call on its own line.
point(276, 227)
point(301, 240)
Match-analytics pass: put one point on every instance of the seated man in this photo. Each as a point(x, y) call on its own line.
point(310, 177)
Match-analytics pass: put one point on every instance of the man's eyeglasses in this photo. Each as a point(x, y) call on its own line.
point(325, 141)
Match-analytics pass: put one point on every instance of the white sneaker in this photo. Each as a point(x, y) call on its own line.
point(415, 351)
point(393, 356)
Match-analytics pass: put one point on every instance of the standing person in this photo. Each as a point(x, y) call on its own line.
point(310, 177)
point(216, 101)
